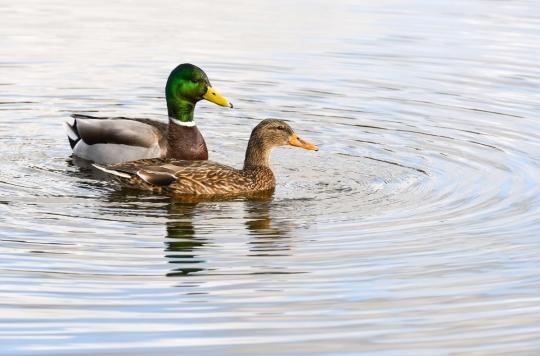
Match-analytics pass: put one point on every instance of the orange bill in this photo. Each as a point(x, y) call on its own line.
point(294, 140)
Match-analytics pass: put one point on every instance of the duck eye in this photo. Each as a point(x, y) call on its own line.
point(281, 128)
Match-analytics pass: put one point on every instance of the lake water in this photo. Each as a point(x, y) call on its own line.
point(414, 230)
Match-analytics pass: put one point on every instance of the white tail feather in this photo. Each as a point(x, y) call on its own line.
point(110, 171)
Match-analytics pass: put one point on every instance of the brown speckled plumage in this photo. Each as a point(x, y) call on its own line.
point(197, 177)
point(209, 178)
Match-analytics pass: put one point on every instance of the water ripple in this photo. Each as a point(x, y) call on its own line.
point(414, 229)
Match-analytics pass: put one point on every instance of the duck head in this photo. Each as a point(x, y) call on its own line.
point(188, 84)
point(268, 134)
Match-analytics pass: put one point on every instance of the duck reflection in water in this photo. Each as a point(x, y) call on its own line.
point(182, 241)
point(269, 239)
point(265, 238)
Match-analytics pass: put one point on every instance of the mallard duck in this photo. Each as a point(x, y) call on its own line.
point(209, 178)
point(120, 139)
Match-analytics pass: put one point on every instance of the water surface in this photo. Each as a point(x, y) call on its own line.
point(414, 230)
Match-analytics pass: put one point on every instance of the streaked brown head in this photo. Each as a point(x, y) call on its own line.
point(272, 132)
point(268, 134)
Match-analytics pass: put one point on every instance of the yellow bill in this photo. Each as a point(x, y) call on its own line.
point(215, 97)
point(296, 141)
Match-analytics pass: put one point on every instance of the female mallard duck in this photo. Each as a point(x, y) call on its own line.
point(209, 178)
point(115, 140)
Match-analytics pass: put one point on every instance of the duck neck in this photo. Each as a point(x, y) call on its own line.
point(256, 165)
point(257, 154)
point(184, 138)
point(181, 111)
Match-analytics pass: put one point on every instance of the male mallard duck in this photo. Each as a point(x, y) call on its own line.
point(115, 140)
point(210, 178)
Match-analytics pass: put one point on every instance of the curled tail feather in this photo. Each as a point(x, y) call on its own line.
point(72, 133)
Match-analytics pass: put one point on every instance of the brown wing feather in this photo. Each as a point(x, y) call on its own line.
point(218, 180)
point(156, 178)
point(193, 177)
point(165, 165)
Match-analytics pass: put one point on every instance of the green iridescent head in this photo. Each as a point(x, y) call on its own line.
point(187, 84)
